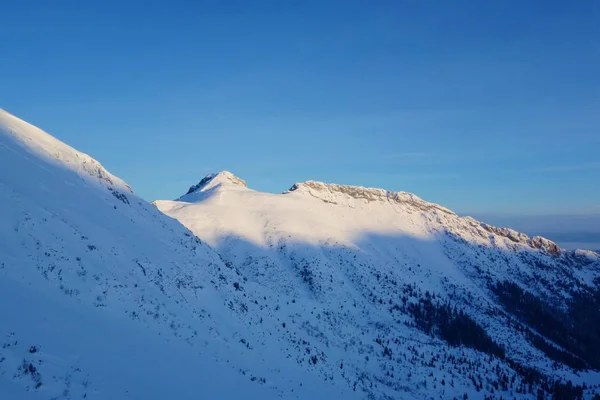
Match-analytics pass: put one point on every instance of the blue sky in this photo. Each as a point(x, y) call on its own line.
point(484, 107)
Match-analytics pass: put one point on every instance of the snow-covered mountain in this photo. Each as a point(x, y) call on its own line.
point(324, 291)
point(397, 297)
point(104, 297)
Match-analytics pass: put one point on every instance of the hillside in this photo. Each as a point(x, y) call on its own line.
point(104, 297)
point(399, 297)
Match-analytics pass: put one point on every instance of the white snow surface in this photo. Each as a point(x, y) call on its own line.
point(346, 251)
point(104, 297)
point(265, 296)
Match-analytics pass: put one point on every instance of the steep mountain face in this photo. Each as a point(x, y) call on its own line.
point(396, 297)
point(104, 297)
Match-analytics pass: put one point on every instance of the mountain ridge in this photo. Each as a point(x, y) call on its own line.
point(327, 193)
point(354, 236)
point(44, 145)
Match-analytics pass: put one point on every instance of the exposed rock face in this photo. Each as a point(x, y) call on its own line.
point(537, 242)
point(212, 180)
point(327, 192)
point(549, 246)
point(201, 184)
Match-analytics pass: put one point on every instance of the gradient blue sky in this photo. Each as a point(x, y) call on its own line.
point(482, 106)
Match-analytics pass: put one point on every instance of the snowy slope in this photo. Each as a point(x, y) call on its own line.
point(321, 292)
point(104, 297)
point(345, 265)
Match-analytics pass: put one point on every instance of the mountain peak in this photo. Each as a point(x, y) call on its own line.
point(215, 180)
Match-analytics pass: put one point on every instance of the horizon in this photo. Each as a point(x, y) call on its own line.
point(471, 107)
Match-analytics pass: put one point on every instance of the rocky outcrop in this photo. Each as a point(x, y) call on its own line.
point(328, 192)
point(215, 179)
point(537, 242)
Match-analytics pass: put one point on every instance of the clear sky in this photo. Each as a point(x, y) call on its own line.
point(482, 106)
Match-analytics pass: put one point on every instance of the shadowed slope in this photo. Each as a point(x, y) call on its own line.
point(105, 297)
